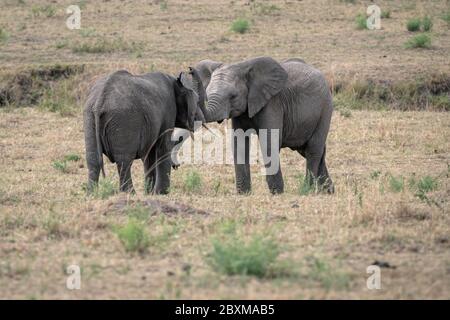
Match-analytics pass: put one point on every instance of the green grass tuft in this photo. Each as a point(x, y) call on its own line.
point(235, 256)
point(60, 166)
point(4, 35)
point(446, 17)
point(427, 24)
point(44, 10)
point(305, 186)
point(385, 14)
point(72, 157)
point(413, 25)
point(105, 189)
point(133, 236)
point(192, 181)
point(396, 184)
point(240, 25)
point(361, 22)
point(419, 41)
point(321, 271)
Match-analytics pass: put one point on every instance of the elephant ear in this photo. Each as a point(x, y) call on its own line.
point(205, 68)
point(191, 98)
point(266, 78)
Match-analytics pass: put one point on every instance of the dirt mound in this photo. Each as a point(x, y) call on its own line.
point(170, 208)
point(27, 86)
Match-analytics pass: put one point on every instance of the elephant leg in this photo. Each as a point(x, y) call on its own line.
point(124, 170)
point(149, 171)
point(93, 169)
point(164, 166)
point(241, 158)
point(324, 178)
point(270, 149)
point(313, 157)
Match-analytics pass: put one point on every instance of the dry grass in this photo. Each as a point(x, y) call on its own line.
point(326, 242)
point(48, 223)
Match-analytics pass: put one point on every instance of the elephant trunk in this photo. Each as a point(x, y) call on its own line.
point(200, 91)
point(212, 112)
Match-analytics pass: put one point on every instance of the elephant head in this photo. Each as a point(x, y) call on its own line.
point(234, 89)
point(190, 99)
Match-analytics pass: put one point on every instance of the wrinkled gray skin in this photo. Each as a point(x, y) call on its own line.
point(261, 93)
point(130, 117)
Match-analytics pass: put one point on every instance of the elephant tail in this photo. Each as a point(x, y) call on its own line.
point(99, 143)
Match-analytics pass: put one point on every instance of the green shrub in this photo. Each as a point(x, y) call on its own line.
point(427, 184)
point(419, 41)
point(104, 189)
point(4, 35)
point(441, 102)
point(139, 212)
point(413, 25)
point(45, 10)
point(192, 181)
point(240, 25)
point(61, 44)
point(305, 186)
point(427, 24)
point(446, 18)
point(320, 270)
point(60, 166)
point(72, 157)
point(385, 14)
point(133, 236)
point(396, 184)
point(361, 22)
point(235, 256)
point(264, 9)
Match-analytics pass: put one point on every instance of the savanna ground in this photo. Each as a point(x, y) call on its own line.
point(390, 167)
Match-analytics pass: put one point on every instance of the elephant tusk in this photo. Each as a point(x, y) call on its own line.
point(207, 128)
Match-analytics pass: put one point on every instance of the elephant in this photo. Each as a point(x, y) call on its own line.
point(288, 98)
point(128, 116)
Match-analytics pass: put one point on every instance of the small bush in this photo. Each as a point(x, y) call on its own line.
point(306, 186)
point(419, 41)
point(139, 212)
point(265, 9)
point(321, 271)
point(375, 174)
point(46, 10)
point(60, 166)
point(446, 18)
point(234, 256)
point(385, 14)
point(61, 44)
point(240, 26)
point(441, 102)
point(105, 189)
point(413, 25)
point(133, 236)
point(427, 24)
point(427, 184)
point(163, 5)
point(72, 157)
point(396, 184)
point(192, 182)
point(361, 22)
point(4, 35)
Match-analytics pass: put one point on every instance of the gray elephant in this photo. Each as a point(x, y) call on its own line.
point(130, 117)
point(291, 99)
